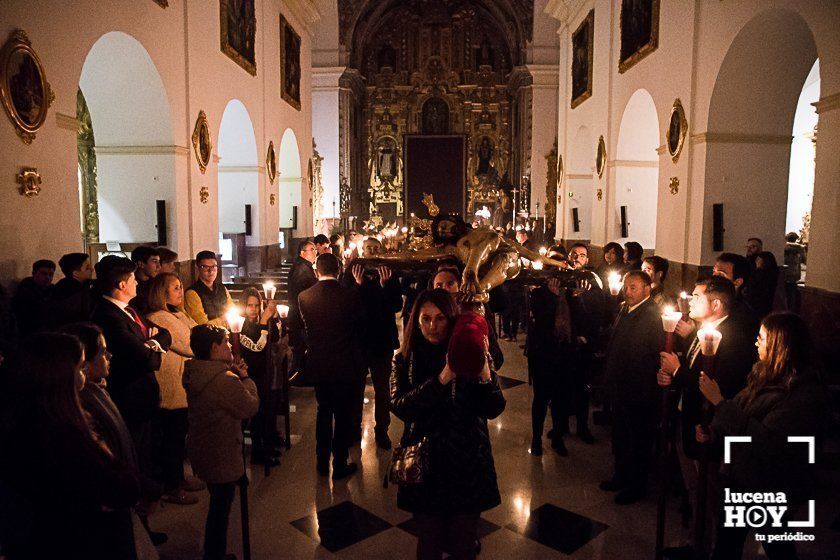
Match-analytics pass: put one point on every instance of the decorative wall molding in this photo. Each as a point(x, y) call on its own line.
point(577, 176)
point(241, 168)
point(738, 138)
point(141, 150)
point(67, 122)
point(326, 78)
point(660, 150)
point(306, 11)
point(632, 163)
point(565, 11)
point(827, 103)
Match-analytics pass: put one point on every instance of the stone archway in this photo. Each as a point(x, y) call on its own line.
point(289, 173)
point(134, 149)
point(751, 115)
point(636, 171)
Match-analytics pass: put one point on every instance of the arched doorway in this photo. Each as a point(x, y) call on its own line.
point(239, 216)
point(127, 161)
point(637, 172)
point(289, 172)
point(578, 191)
point(802, 156)
point(751, 115)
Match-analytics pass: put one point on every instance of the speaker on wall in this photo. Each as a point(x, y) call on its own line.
point(624, 224)
point(160, 206)
point(247, 219)
point(717, 227)
point(575, 220)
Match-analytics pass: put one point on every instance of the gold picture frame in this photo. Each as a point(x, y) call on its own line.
point(26, 95)
point(639, 32)
point(238, 31)
point(601, 157)
point(677, 130)
point(583, 43)
point(289, 64)
point(271, 163)
point(202, 143)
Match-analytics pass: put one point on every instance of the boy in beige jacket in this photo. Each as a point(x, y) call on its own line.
point(220, 395)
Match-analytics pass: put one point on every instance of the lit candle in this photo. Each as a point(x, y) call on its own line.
point(347, 253)
point(615, 283)
point(404, 229)
point(683, 303)
point(352, 246)
point(537, 265)
point(269, 290)
point(543, 251)
point(235, 320)
point(709, 338)
point(283, 311)
point(670, 318)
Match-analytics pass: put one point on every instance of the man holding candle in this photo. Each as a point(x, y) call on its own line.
point(630, 376)
point(710, 306)
point(206, 300)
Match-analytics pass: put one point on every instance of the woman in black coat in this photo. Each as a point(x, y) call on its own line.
point(783, 397)
point(70, 495)
point(460, 481)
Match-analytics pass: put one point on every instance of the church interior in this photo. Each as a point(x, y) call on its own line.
point(246, 127)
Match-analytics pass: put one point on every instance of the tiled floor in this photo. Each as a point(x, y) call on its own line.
point(551, 506)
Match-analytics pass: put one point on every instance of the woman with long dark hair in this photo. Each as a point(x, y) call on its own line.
point(783, 397)
point(460, 480)
point(74, 495)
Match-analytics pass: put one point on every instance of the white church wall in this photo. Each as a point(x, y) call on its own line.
point(183, 43)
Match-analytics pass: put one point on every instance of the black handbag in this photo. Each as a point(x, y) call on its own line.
point(409, 463)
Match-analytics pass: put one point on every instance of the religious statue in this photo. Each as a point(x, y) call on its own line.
point(488, 257)
point(485, 157)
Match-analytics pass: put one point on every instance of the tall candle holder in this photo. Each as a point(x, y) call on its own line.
point(615, 283)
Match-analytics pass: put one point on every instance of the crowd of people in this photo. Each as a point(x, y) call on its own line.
point(122, 378)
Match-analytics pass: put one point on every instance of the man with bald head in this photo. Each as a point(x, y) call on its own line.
point(630, 369)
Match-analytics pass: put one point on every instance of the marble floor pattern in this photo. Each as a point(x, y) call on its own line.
point(551, 505)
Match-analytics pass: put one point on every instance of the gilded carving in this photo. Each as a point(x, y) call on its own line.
point(271, 163)
point(316, 187)
point(601, 157)
point(204, 195)
point(674, 185)
point(30, 182)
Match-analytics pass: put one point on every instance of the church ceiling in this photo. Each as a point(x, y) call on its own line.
point(362, 22)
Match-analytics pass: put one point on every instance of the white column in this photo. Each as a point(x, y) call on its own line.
point(325, 131)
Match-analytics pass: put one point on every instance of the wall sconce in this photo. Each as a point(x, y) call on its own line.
point(30, 182)
point(204, 194)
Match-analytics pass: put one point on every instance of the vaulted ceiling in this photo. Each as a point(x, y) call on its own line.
point(360, 20)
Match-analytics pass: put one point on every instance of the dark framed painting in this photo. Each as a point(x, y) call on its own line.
point(238, 31)
point(639, 31)
point(582, 45)
point(676, 131)
point(24, 90)
point(289, 64)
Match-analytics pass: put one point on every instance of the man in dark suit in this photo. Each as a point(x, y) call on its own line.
point(137, 346)
point(711, 304)
point(332, 315)
point(301, 277)
point(630, 374)
point(380, 298)
point(736, 269)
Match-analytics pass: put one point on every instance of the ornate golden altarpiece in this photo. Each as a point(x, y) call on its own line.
point(433, 67)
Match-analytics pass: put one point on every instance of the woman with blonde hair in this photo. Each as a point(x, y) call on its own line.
point(164, 305)
point(783, 397)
